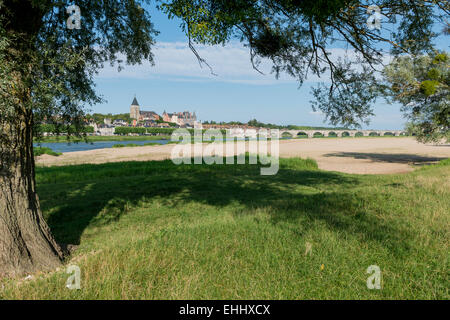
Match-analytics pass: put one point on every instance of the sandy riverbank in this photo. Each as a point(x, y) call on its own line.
point(351, 155)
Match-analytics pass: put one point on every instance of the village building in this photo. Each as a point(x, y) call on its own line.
point(184, 118)
point(135, 109)
point(149, 116)
point(170, 117)
point(227, 126)
point(137, 114)
point(119, 123)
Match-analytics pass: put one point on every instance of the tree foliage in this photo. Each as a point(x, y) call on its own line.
point(421, 84)
point(46, 75)
point(160, 131)
point(296, 36)
point(51, 128)
point(99, 117)
point(61, 62)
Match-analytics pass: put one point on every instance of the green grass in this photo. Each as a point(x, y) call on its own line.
point(39, 151)
point(136, 145)
point(152, 144)
point(153, 230)
point(126, 145)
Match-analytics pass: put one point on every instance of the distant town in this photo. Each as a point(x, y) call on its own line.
point(105, 125)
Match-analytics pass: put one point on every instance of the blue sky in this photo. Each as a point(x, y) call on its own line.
point(177, 83)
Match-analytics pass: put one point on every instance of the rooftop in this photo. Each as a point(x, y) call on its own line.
point(135, 102)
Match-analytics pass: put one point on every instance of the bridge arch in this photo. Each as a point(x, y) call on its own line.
point(318, 134)
point(345, 134)
point(332, 134)
point(286, 134)
point(302, 135)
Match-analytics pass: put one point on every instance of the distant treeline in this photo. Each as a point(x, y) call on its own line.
point(256, 123)
point(98, 117)
point(160, 131)
point(51, 128)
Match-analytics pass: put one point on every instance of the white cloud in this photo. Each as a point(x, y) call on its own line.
point(176, 62)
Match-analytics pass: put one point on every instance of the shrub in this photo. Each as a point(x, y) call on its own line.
point(125, 145)
point(152, 144)
point(44, 150)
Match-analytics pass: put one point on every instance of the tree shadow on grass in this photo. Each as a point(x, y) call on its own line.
point(292, 195)
point(413, 159)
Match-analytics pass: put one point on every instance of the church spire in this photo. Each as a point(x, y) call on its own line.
point(135, 102)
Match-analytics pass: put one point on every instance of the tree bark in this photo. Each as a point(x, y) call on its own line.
point(26, 244)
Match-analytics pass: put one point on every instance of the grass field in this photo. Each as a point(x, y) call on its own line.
point(153, 230)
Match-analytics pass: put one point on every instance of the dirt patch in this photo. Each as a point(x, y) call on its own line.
point(367, 155)
point(350, 155)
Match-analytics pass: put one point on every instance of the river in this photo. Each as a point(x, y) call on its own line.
point(83, 146)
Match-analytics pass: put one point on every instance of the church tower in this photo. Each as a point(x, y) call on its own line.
point(134, 110)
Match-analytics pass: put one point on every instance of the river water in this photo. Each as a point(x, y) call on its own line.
point(83, 146)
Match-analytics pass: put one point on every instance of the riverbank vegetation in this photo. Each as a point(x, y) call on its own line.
point(39, 151)
point(136, 145)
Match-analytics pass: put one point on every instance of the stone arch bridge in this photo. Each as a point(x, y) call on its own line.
point(341, 133)
point(316, 133)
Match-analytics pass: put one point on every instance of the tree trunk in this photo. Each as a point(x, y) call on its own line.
point(26, 244)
